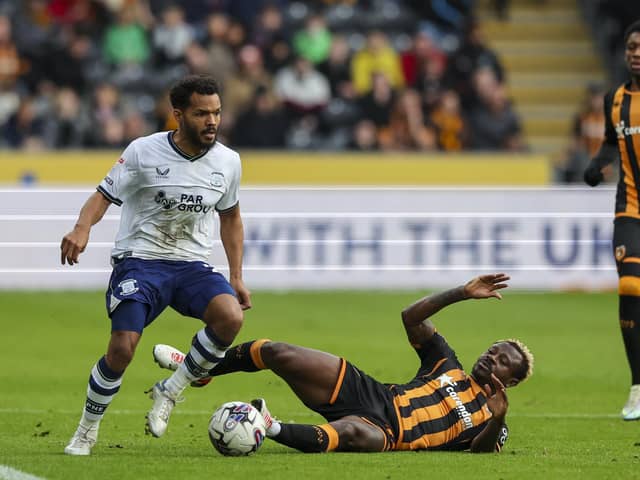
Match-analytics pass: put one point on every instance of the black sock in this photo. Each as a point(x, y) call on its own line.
point(240, 358)
point(629, 309)
point(307, 438)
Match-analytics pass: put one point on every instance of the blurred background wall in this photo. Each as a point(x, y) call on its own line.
point(485, 100)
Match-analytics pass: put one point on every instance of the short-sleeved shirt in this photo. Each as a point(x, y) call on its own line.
point(622, 129)
point(168, 197)
point(442, 408)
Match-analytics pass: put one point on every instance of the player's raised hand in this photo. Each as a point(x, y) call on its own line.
point(73, 244)
point(486, 286)
point(497, 401)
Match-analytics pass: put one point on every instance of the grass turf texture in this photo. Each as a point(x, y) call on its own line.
point(563, 422)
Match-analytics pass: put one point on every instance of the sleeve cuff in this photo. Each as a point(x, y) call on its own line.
point(227, 210)
point(108, 196)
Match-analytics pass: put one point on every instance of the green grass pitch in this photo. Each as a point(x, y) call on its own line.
point(563, 422)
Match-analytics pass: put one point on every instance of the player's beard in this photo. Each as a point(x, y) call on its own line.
point(193, 136)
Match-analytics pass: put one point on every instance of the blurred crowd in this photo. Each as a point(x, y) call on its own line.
point(587, 134)
point(331, 75)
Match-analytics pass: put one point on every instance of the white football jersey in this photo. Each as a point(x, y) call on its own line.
point(168, 198)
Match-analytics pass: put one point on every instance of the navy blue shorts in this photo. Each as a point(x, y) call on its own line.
point(187, 287)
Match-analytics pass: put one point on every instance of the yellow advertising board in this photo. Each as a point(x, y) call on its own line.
point(303, 168)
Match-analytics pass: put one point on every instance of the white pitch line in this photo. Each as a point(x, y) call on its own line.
point(8, 473)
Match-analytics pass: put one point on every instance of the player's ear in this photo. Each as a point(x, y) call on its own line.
point(177, 114)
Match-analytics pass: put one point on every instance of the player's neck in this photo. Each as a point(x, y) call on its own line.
point(635, 84)
point(185, 146)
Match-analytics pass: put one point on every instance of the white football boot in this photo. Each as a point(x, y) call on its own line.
point(167, 356)
point(170, 358)
point(260, 404)
point(163, 403)
point(83, 440)
point(631, 409)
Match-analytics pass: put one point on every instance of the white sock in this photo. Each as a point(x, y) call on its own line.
point(88, 423)
point(178, 381)
point(274, 429)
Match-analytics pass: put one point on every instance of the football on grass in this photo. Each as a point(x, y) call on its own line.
point(236, 429)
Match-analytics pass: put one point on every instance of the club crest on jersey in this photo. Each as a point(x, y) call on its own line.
point(621, 251)
point(217, 179)
point(128, 286)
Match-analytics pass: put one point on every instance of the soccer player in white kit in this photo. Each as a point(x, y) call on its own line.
point(168, 184)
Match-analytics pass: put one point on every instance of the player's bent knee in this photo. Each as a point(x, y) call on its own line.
point(232, 322)
point(225, 324)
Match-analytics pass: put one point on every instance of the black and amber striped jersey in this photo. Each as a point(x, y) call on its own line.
point(622, 128)
point(442, 408)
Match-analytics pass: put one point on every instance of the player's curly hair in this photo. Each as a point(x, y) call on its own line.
point(180, 93)
point(526, 369)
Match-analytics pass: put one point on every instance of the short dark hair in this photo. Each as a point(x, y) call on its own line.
point(634, 27)
point(180, 93)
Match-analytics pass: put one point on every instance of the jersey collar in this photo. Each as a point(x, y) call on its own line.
point(180, 152)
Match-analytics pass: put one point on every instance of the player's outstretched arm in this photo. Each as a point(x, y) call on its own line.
point(488, 439)
point(416, 316)
point(74, 242)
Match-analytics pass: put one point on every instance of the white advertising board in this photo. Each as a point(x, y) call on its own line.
point(335, 238)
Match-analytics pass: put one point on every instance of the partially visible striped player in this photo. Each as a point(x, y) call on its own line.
point(441, 408)
point(622, 140)
point(170, 185)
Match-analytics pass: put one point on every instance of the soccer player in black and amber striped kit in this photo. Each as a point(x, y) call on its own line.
point(441, 408)
point(622, 139)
